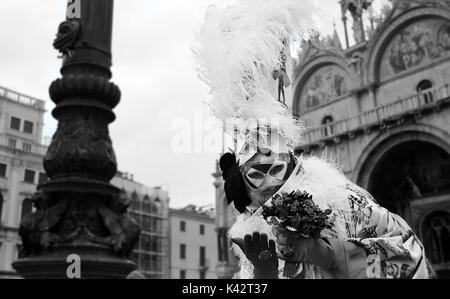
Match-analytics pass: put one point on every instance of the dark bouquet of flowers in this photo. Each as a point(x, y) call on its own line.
point(298, 213)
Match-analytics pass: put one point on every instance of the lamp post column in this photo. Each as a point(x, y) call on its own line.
point(79, 214)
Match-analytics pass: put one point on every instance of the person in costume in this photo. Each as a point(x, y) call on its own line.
point(366, 240)
point(238, 50)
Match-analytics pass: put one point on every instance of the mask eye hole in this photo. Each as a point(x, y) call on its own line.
point(255, 175)
point(277, 169)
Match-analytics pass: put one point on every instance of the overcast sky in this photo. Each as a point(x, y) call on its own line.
point(154, 67)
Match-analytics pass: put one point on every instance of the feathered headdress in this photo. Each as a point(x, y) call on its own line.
point(239, 48)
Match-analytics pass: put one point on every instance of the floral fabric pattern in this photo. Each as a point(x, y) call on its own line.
point(370, 241)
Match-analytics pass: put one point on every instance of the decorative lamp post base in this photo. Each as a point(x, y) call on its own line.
point(80, 217)
point(96, 262)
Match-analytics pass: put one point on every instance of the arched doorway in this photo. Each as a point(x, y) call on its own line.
point(412, 179)
point(410, 171)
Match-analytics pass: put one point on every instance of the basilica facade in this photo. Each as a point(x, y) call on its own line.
point(378, 106)
point(380, 110)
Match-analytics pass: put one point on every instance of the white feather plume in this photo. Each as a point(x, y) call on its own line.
point(238, 49)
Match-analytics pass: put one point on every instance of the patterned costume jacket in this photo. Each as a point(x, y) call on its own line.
point(391, 249)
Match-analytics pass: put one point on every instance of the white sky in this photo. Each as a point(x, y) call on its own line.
point(154, 67)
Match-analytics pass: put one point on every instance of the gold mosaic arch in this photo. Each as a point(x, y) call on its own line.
point(390, 33)
point(312, 67)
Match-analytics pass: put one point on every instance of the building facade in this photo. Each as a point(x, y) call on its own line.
point(193, 246)
point(380, 110)
point(21, 171)
point(21, 168)
point(149, 207)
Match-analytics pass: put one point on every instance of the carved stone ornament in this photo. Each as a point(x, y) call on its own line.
point(67, 35)
point(99, 221)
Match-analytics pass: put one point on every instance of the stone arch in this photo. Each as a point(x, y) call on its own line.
point(312, 66)
point(384, 39)
point(386, 141)
point(424, 85)
point(406, 171)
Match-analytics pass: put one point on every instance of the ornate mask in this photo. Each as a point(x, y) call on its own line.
point(265, 174)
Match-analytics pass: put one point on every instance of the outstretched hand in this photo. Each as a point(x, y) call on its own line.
point(261, 253)
point(296, 249)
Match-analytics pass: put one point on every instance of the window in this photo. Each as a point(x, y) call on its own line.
point(160, 227)
point(146, 244)
point(182, 274)
point(202, 229)
point(1, 207)
point(146, 204)
point(424, 91)
point(202, 256)
point(15, 123)
point(156, 263)
point(28, 127)
point(436, 235)
point(182, 226)
point(328, 127)
point(29, 176)
point(223, 244)
point(156, 244)
point(27, 207)
point(26, 147)
point(12, 143)
point(146, 222)
point(3, 168)
point(154, 225)
point(183, 251)
point(42, 178)
point(153, 208)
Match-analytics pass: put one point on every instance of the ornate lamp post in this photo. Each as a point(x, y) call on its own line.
point(78, 212)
